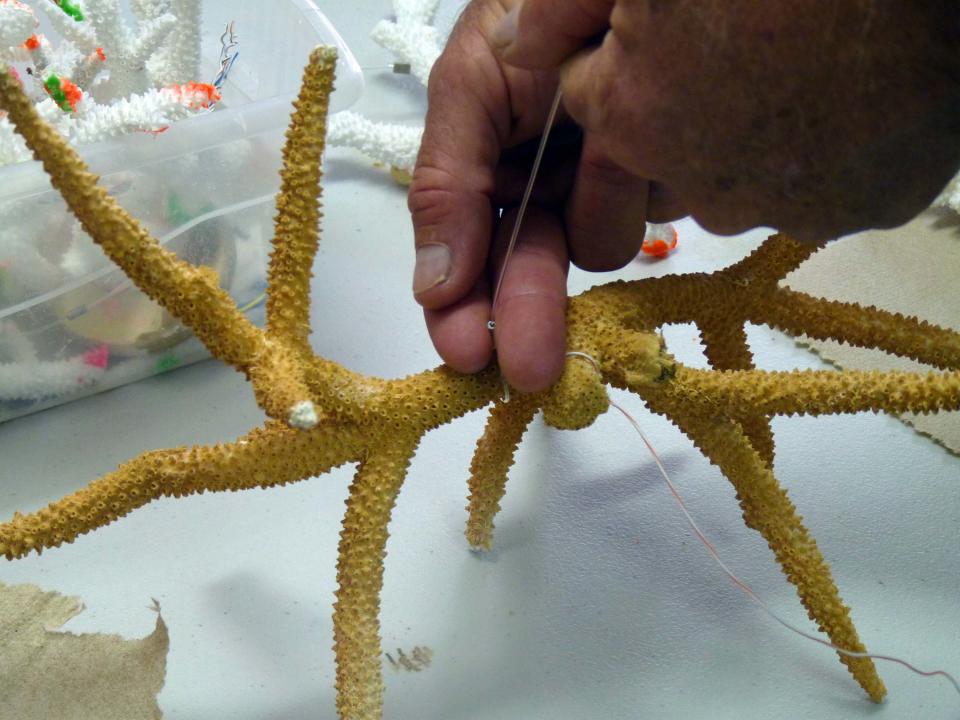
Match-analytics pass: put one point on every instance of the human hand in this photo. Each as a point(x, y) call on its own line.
point(818, 119)
point(482, 123)
point(751, 113)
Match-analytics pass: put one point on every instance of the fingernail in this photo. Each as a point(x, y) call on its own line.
point(433, 267)
point(505, 32)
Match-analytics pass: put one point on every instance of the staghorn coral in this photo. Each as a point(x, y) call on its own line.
point(17, 22)
point(105, 78)
point(416, 44)
point(322, 415)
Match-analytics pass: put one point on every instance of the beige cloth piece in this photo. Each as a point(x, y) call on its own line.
point(46, 673)
point(913, 270)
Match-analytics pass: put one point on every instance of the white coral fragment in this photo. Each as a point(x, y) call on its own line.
point(151, 111)
point(36, 380)
point(417, 45)
point(303, 416)
point(127, 52)
point(130, 77)
point(394, 145)
point(178, 59)
point(17, 23)
point(414, 41)
point(412, 38)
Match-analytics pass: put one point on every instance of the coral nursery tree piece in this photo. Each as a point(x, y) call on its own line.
point(322, 415)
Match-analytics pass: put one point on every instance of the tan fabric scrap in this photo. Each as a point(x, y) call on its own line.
point(46, 673)
point(914, 270)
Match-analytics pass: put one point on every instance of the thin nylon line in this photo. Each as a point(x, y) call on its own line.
point(750, 591)
point(525, 201)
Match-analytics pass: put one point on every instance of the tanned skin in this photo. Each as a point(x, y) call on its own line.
point(816, 117)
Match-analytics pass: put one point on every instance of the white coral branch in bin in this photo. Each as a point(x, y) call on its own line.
point(43, 379)
point(176, 62)
point(151, 111)
point(116, 78)
point(17, 23)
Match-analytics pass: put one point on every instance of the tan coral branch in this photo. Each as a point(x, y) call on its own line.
point(491, 461)
point(776, 257)
point(269, 456)
point(192, 294)
point(814, 392)
point(726, 348)
point(363, 542)
point(297, 223)
point(800, 314)
point(732, 295)
point(767, 509)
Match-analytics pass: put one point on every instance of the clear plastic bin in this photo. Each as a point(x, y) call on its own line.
point(71, 324)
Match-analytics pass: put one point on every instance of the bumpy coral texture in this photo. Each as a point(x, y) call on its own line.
point(322, 415)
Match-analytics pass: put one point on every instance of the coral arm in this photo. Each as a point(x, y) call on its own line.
point(726, 298)
point(149, 9)
point(297, 220)
point(17, 23)
point(725, 345)
point(415, 11)
point(128, 51)
point(491, 461)
point(150, 38)
point(410, 42)
point(798, 314)
point(777, 256)
point(390, 143)
point(268, 456)
point(413, 404)
point(363, 540)
point(190, 293)
point(767, 509)
point(814, 392)
point(177, 61)
point(81, 34)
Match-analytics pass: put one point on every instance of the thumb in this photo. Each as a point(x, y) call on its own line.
point(540, 34)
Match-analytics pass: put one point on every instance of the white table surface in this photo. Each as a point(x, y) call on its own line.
point(596, 603)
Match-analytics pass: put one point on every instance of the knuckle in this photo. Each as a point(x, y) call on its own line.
point(429, 199)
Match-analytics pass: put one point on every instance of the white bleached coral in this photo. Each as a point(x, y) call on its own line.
point(150, 111)
point(395, 145)
point(412, 37)
point(37, 380)
point(17, 23)
point(415, 43)
point(106, 78)
point(127, 51)
point(176, 62)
